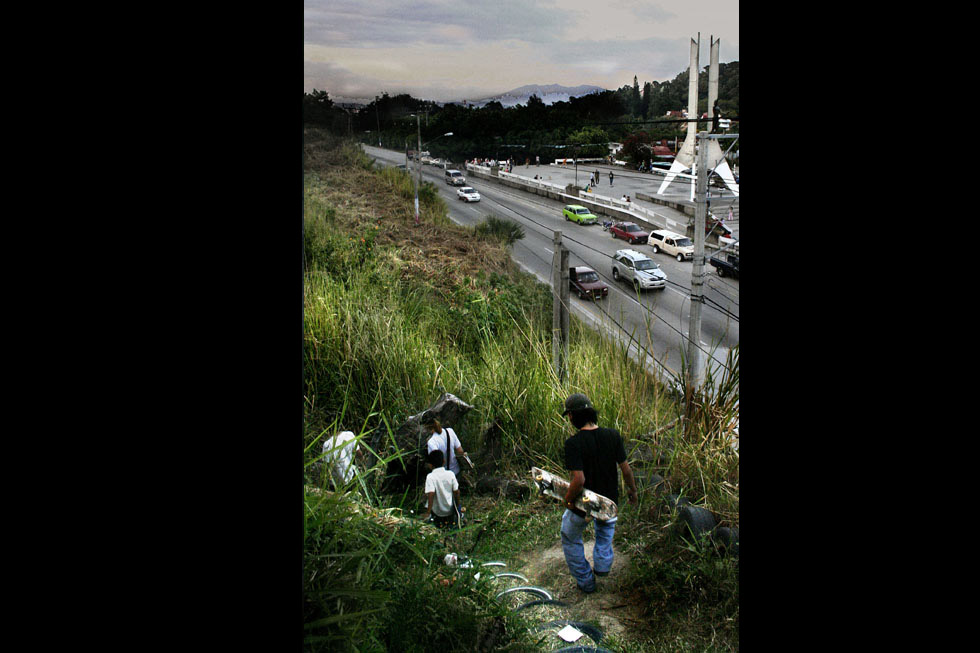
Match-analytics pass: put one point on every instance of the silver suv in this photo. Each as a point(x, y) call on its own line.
point(455, 178)
point(639, 269)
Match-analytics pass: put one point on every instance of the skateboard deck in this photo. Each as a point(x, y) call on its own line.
point(592, 504)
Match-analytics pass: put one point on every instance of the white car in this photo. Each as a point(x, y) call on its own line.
point(468, 194)
point(671, 243)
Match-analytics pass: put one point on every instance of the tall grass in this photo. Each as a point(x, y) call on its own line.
point(496, 228)
point(387, 329)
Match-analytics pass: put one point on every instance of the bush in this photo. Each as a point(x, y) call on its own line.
point(494, 228)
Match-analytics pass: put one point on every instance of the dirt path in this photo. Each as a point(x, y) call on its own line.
point(612, 612)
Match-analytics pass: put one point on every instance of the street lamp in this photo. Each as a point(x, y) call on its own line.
point(418, 158)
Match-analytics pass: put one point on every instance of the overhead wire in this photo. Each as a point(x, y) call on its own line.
point(549, 232)
point(664, 321)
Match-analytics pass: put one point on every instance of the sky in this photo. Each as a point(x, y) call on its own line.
point(453, 50)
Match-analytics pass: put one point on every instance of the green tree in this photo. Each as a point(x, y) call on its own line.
point(317, 108)
point(592, 141)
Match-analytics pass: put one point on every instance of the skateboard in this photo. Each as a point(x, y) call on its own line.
point(592, 504)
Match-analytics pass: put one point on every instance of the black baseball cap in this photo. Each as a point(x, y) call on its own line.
point(576, 401)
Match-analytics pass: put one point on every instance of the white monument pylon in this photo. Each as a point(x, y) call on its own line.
point(716, 158)
point(686, 156)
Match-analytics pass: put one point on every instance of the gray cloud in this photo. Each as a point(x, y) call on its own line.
point(342, 82)
point(354, 23)
point(650, 59)
point(444, 50)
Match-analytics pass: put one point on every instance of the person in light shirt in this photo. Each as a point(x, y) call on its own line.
point(445, 440)
point(338, 456)
point(442, 493)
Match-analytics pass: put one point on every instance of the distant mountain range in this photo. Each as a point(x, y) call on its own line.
point(549, 94)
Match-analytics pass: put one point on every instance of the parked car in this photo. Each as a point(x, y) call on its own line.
point(579, 214)
point(715, 226)
point(639, 269)
point(629, 231)
point(586, 282)
point(676, 245)
point(455, 178)
point(727, 266)
point(468, 194)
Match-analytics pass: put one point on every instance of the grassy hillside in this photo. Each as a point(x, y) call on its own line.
point(396, 314)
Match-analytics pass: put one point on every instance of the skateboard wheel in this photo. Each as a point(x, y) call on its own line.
point(585, 500)
point(539, 477)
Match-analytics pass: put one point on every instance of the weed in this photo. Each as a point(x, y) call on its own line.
point(495, 228)
point(396, 314)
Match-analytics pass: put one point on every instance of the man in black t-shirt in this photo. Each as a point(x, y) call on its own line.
point(591, 456)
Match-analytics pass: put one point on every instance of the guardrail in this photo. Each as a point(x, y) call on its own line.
point(537, 183)
point(617, 208)
point(633, 209)
point(571, 162)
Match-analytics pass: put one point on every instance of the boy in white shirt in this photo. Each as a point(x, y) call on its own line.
point(442, 490)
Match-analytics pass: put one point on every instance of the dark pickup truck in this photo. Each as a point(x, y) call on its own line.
point(585, 281)
point(727, 267)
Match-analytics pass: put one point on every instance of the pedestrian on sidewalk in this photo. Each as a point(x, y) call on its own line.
point(610, 178)
point(596, 177)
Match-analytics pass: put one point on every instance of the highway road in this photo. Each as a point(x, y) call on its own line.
point(655, 321)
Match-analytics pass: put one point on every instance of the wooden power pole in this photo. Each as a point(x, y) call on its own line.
point(560, 319)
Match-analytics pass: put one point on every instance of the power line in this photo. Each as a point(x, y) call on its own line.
point(549, 232)
point(642, 305)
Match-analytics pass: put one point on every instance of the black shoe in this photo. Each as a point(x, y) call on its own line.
point(585, 591)
point(601, 573)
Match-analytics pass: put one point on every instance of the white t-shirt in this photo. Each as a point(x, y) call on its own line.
point(340, 460)
point(438, 441)
point(443, 482)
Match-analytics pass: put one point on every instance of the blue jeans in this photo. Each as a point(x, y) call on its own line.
point(572, 527)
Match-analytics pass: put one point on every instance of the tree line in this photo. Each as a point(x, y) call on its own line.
point(579, 127)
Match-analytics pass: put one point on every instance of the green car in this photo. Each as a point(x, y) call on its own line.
point(579, 214)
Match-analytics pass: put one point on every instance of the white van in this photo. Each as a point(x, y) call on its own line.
point(676, 245)
point(455, 178)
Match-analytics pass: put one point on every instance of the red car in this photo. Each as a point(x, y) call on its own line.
point(712, 225)
point(585, 281)
point(629, 231)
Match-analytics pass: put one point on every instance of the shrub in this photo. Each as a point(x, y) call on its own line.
point(497, 229)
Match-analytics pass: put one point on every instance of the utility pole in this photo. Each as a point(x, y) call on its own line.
point(418, 158)
point(697, 273)
point(560, 318)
